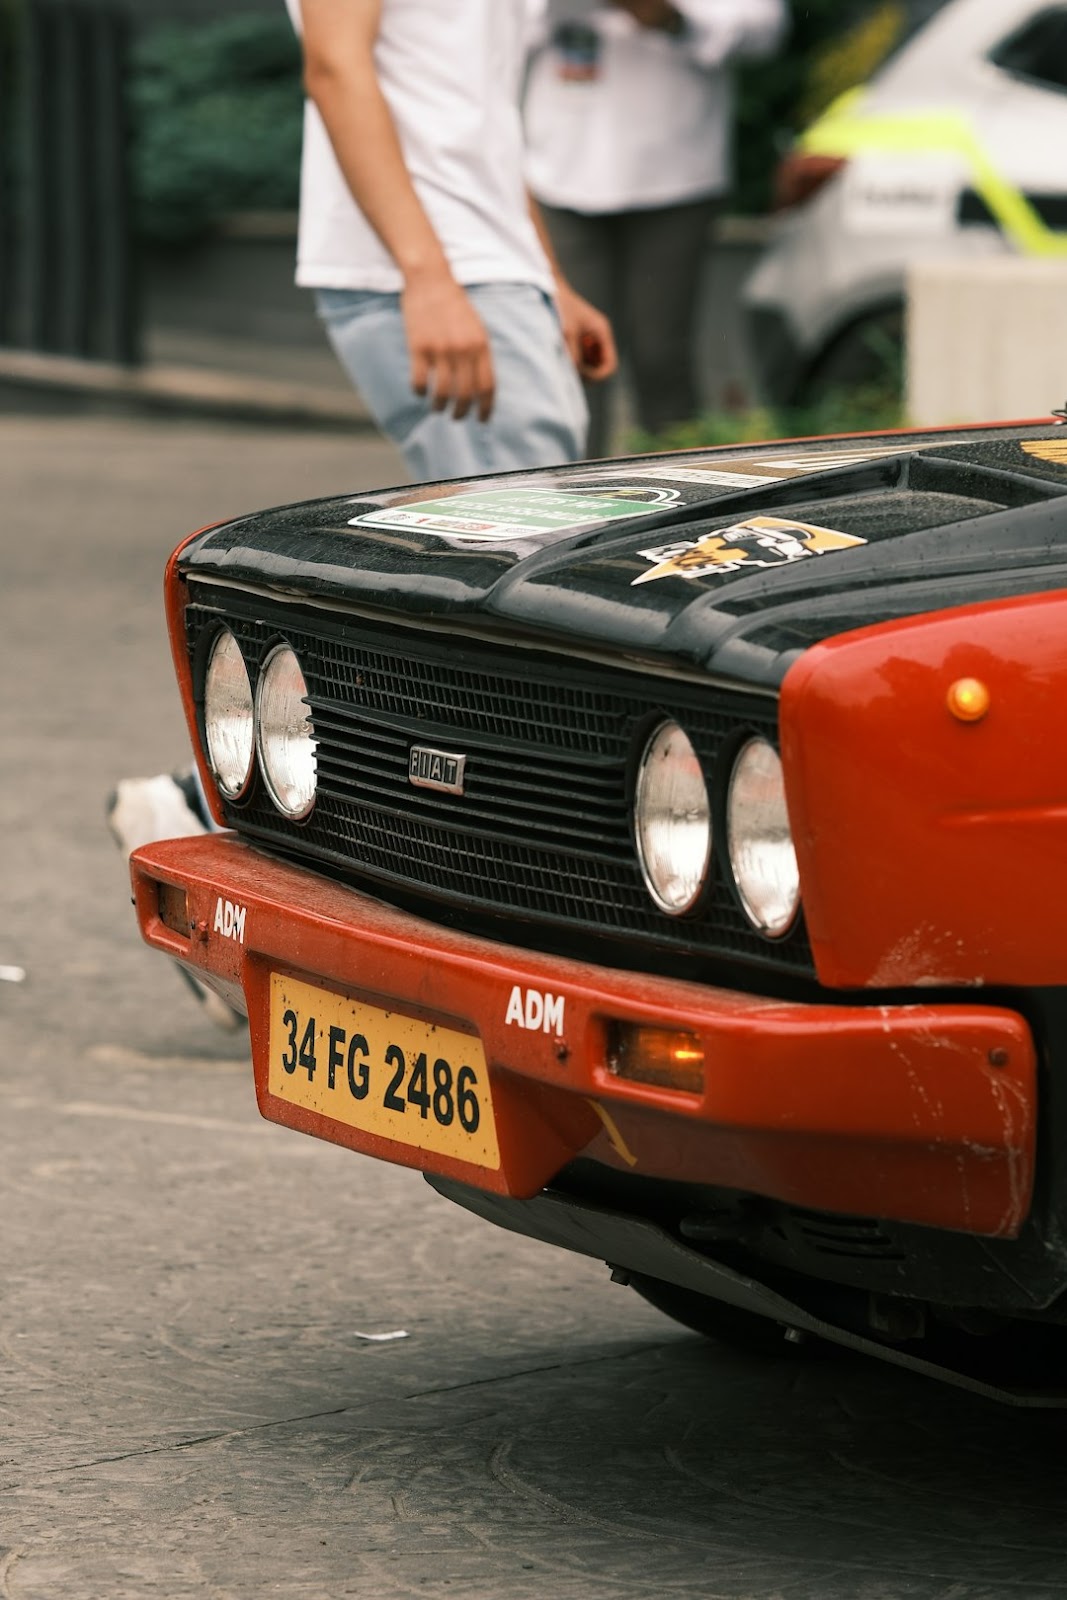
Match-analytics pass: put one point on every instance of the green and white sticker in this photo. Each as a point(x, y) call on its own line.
point(755, 472)
point(509, 516)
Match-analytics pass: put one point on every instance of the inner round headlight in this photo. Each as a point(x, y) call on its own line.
point(761, 850)
point(228, 715)
point(284, 734)
point(672, 820)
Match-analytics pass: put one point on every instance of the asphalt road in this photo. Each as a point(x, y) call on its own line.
point(189, 1402)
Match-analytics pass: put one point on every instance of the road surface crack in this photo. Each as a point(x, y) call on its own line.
point(532, 1372)
point(199, 1439)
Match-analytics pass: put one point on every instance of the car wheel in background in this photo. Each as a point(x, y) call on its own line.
point(866, 356)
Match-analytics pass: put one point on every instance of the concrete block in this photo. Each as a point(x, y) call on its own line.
point(986, 339)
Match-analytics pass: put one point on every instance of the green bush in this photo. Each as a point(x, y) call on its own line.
point(9, 20)
point(846, 411)
point(832, 45)
point(217, 109)
point(217, 112)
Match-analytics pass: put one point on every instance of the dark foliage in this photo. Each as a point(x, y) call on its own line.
point(217, 116)
point(776, 98)
point(217, 107)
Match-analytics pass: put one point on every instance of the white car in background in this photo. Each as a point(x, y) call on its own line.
point(957, 146)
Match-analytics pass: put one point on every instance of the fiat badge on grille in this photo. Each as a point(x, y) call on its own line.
point(436, 769)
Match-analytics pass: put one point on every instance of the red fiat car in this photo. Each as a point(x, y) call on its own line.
point(669, 858)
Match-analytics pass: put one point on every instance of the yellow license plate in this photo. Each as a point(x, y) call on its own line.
point(381, 1072)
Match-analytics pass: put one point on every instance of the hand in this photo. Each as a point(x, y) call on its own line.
point(451, 358)
point(653, 14)
point(587, 334)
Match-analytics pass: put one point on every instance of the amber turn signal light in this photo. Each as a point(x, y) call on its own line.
point(968, 699)
point(665, 1057)
point(174, 909)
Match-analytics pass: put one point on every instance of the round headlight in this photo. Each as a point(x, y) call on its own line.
point(761, 850)
point(228, 715)
point(284, 734)
point(672, 820)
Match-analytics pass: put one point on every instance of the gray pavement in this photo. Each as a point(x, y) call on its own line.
point(189, 1406)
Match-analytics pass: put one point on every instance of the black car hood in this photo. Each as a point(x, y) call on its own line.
point(727, 562)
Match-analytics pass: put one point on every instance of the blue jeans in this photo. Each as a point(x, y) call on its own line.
point(539, 415)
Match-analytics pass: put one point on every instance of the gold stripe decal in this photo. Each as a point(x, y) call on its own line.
point(1054, 450)
point(615, 1138)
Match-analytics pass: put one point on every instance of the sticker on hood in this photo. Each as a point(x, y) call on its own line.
point(1054, 450)
point(758, 542)
point(509, 516)
point(751, 472)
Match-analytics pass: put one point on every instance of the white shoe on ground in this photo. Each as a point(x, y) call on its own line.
point(144, 810)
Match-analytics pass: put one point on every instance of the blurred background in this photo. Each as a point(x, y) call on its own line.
point(149, 156)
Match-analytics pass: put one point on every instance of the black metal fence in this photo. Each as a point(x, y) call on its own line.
point(67, 263)
point(7, 130)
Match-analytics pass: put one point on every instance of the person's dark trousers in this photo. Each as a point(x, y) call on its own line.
point(643, 268)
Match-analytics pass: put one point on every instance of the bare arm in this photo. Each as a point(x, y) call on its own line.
point(659, 14)
point(714, 32)
point(448, 345)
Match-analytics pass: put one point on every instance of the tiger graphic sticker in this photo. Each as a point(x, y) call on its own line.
point(756, 542)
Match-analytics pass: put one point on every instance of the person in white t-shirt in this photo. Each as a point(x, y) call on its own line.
point(628, 114)
point(438, 290)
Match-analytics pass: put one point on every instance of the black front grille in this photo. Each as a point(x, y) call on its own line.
point(542, 830)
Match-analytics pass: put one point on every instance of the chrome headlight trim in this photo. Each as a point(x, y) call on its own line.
point(285, 739)
point(759, 840)
point(672, 820)
point(229, 733)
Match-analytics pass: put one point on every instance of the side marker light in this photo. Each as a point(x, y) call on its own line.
point(969, 699)
point(174, 909)
point(665, 1057)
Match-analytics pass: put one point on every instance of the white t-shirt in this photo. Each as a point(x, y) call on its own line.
point(450, 71)
point(620, 117)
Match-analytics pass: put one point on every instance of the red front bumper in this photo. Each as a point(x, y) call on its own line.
point(917, 1113)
